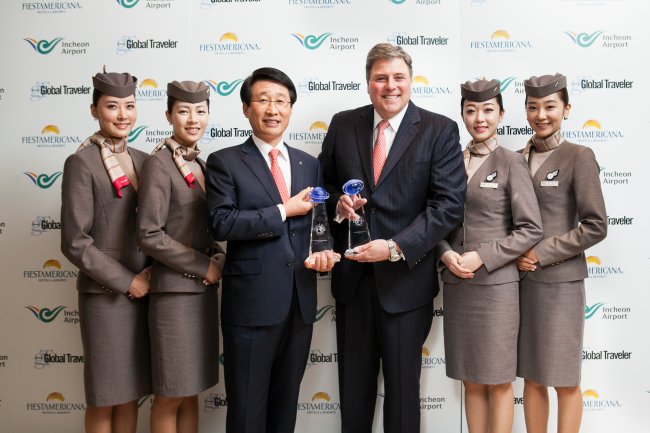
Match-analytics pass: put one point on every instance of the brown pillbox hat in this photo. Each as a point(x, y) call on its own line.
point(538, 87)
point(115, 84)
point(481, 90)
point(188, 91)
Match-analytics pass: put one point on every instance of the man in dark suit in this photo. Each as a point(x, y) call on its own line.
point(411, 163)
point(269, 289)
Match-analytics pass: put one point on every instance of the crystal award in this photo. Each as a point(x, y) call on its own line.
point(319, 239)
point(358, 232)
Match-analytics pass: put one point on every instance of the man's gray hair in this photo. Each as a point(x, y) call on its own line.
point(387, 52)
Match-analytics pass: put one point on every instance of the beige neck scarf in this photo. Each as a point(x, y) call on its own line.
point(542, 145)
point(180, 154)
point(483, 148)
point(107, 148)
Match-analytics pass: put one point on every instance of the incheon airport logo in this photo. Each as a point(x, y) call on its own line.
point(316, 134)
point(144, 399)
point(215, 402)
point(597, 270)
point(46, 315)
point(518, 86)
point(56, 404)
point(51, 137)
point(223, 88)
point(614, 177)
point(135, 133)
point(592, 131)
point(586, 40)
point(128, 4)
point(591, 402)
point(51, 273)
point(51, 7)
point(501, 42)
point(608, 313)
point(229, 43)
point(322, 312)
point(321, 404)
point(151, 135)
point(43, 181)
point(148, 91)
point(313, 42)
point(429, 361)
point(46, 47)
point(421, 88)
point(151, 4)
point(590, 311)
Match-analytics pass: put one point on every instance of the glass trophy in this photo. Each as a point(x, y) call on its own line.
point(319, 239)
point(358, 232)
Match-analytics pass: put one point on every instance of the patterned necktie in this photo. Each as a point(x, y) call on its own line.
point(278, 176)
point(379, 152)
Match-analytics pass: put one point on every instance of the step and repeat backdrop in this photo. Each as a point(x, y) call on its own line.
point(51, 48)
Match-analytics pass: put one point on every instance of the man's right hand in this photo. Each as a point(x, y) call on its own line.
point(347, 205)
point(299, 204)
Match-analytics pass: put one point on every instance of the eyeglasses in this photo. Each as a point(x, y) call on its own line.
point(265, 103)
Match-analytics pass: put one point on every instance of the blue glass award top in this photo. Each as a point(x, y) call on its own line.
point(353, 186)
point(318, 195)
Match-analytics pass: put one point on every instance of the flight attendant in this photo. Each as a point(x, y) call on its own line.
point(173, 229)
point(552, 291)
point(98, 215)
point(481, 281)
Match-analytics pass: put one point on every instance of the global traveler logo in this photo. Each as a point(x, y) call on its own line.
point(214, 402)
point(43, 46)
point(223, 88)
point(584, 40)
point(311, 42)
point(43, 224)
point(421, 88)
point(133, 135)
point(128, 4)
point(590, 311)
point(46, 315)
point(43, 180)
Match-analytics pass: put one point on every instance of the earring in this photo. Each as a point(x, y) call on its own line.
point(95, 118)
point(566, 118)
point(170, 124)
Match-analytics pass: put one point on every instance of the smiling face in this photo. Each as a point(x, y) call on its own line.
point(482, 118)
point(268, 122)
point(116, 116)
point(190, 121)
point(545, 114)
point(389, 86)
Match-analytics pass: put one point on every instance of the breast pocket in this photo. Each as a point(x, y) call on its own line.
point(551, 190)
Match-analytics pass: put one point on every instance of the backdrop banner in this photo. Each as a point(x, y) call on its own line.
point(50, 50)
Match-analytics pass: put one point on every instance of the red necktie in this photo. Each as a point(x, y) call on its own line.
point(379, 152)
point(278, 176)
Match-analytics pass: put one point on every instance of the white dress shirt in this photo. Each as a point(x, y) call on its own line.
point(283, 162)
point(390, 132)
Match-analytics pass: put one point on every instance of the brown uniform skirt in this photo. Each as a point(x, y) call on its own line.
point(481, 324)
point(184, 331)
point(115, 337)
point(551, 332)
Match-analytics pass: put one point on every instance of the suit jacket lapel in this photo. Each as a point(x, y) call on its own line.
point(137, 159)
point(407, 131)
point(363, 132)
point(253, 158)
point(298, 181)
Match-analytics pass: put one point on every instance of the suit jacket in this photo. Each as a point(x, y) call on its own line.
point(265, 255)
point(499, 223)
point(576, 198)
point(97, 226)
point(172, 226)
point(418, 199)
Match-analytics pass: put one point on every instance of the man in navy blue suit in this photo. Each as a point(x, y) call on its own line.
point(269, 289)
point(411, 163)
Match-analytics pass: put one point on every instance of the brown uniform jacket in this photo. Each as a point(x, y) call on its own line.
point(577, 198)
point(172, 226)
point(500, 223)
point(97, 226)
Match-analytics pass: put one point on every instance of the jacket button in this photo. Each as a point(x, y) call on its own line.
point(271, 234)
point(207, 230)
point(207, 250)
point(462, 244)
point(136, 209)
point(373, 210)
point(289, 263)
point(137, 248)
point(462, 224)
point(464, 206)
point(292, 234)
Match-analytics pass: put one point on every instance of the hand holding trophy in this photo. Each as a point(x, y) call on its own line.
point(320, 242)
point(358, 232)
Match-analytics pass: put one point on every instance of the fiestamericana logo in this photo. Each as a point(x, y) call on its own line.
point(421, 88)
point(46, 315)
point(223, 88)
point(51, 137)
point(591, 401)
point(501, 42)
point(43, 180)
point(55, 404)
point(316, 134)
point(43, 46)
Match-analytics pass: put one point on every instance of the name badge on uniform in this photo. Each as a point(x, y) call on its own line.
point(489, 185)
point(550, 183)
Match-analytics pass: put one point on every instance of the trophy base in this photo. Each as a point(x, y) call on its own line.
point(350, 252)
point(313, 261)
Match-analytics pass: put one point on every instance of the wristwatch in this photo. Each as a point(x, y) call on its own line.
point(394, 255)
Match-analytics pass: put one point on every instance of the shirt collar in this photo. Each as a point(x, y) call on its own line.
point(265, 148)
point(395, 121)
